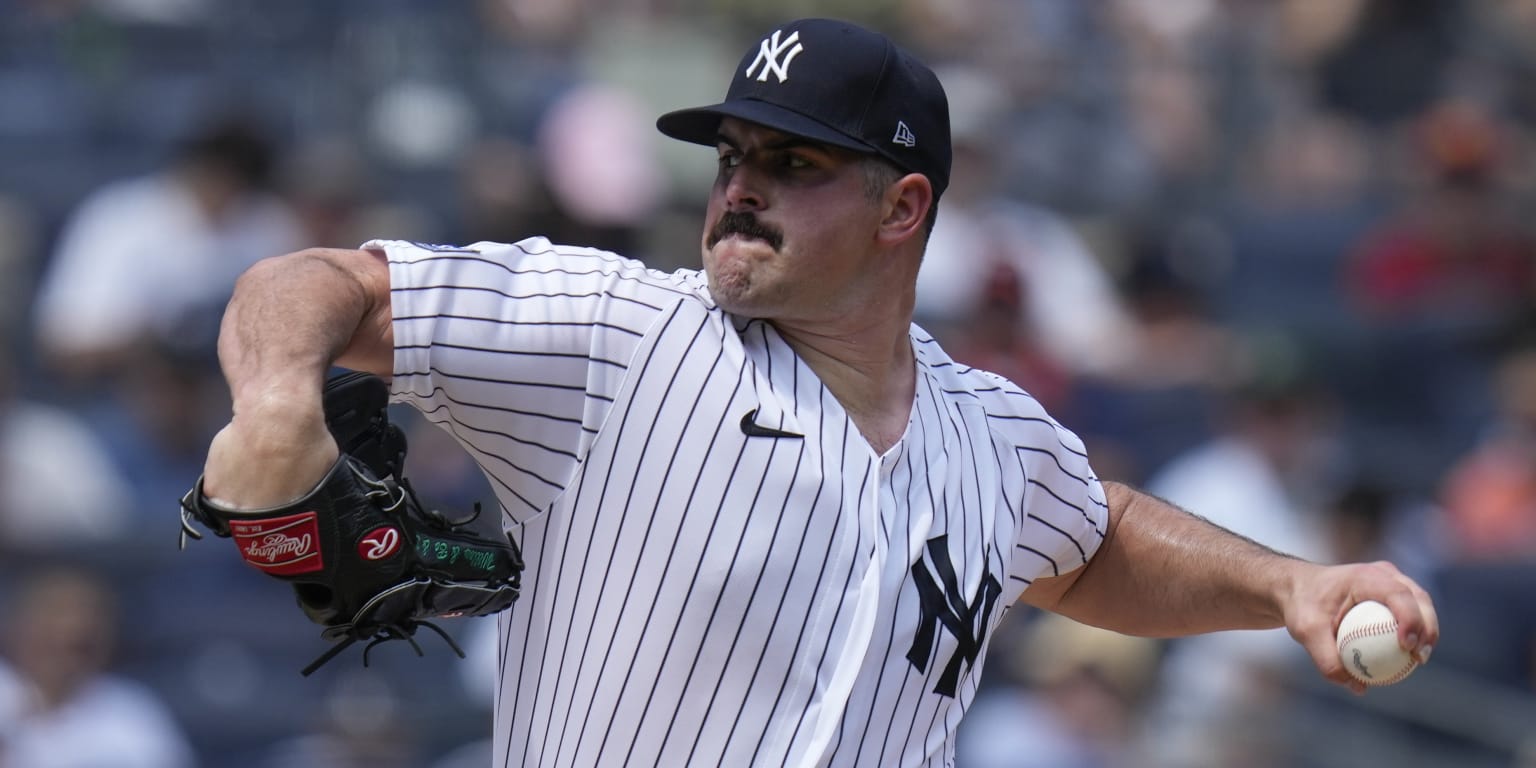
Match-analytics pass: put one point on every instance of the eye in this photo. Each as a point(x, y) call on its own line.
point(792, 160)
point(729, 159)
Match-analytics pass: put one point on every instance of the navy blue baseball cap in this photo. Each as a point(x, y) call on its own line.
point(836, 83)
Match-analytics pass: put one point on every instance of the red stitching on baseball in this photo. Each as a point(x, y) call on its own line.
point(1369, 629)
point(1373, 629)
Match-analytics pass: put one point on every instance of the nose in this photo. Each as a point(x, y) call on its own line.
point(742, 192)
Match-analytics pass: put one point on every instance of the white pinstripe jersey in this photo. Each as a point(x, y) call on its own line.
point(698, 596)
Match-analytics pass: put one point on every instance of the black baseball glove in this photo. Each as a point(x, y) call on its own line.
point(366, 561)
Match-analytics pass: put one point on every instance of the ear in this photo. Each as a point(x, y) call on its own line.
point(906, 204)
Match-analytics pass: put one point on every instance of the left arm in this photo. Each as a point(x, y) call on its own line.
point(1163, 572)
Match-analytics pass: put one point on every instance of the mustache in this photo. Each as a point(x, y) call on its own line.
point(744, 223)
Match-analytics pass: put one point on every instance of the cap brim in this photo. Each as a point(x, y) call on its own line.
point(701, 125)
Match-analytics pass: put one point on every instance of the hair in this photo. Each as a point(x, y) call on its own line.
point(879, 174)
point(233, 145)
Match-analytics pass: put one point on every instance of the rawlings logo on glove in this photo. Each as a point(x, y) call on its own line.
point(366, 561)
point(283, 546)
point(379, 544)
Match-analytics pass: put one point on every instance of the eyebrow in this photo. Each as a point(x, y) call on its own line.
point(788, 142)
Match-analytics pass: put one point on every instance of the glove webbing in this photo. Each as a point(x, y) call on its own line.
point(383, 634)
point(348, 636)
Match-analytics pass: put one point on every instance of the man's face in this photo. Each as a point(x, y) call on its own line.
point(790, 226)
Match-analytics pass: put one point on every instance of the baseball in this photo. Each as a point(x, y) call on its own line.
point(1368, 645)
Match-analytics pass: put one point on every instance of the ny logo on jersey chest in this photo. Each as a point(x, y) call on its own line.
point(944, 605)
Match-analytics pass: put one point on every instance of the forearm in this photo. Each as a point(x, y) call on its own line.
point(290, 318)
point(1162, 572)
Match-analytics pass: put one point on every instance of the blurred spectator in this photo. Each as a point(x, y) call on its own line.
point(1067, 308)
point(421, 123)
point(19, 237)
point(157, 422)
point(1368, 521)
point(326, 183)
point(1303, 199)
point(1488, 513)
point(1078, 705)
point(1272, 467)
point(1357, 524)
point(601, 167)
point(170, 12)
point(154, 258)
point(1171, 117)
point(592, 175)
point(338, 200)
point(58, 485)
point(1458, 255)
point(996, 337)
point(1157, 402)
point(60, 707)
point(502, 198)
point(1392, 64)
point(1267, 474)
point(1489, 495)
point(560, 21)
point(1439, 283)
point(1175, 338)
point(363, 726)
point(1505, 48)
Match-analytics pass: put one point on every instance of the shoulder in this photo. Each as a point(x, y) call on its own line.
point(1013, 415)
point(968, 385)
point(537, 256)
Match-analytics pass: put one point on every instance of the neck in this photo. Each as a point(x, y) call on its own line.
point(871, 371)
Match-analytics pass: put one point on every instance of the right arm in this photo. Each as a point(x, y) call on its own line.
point(1163, 572)
point(290, 319)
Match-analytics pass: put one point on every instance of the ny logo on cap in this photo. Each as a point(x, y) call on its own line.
point(768, 53)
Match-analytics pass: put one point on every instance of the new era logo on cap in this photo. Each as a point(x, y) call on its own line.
point(852, 88)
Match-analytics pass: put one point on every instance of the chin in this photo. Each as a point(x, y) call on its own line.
point(731, 265)
point(731, 291)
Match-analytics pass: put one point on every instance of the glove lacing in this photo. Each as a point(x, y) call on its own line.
point(348, 634)
point(395, 494)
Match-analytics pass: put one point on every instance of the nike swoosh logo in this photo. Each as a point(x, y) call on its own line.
point(751, 428)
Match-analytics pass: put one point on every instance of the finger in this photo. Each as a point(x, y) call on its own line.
point(1321, 645)
point(1418, 627)
point(1430, 636)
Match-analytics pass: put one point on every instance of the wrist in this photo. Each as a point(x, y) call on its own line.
point(271, 394)
point(276, 422)
point(1291, 575)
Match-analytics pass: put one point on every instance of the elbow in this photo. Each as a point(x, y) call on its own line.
point(272, 270)
point(272, 266)
point(336, 271)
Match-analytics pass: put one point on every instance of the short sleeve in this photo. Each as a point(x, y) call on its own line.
point(1058, 502)
point(518, 349)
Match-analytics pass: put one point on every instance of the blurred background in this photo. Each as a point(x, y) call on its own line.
point(1272, 259)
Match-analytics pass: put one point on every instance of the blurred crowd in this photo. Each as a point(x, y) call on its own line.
point(1274, 260)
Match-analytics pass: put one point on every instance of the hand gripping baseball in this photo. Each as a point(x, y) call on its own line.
point(366, 561)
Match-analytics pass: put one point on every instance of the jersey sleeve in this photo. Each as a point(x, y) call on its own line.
point(1058, 503)
point(518, 349)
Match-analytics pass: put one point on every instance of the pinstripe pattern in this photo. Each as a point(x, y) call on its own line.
point(695, 596)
